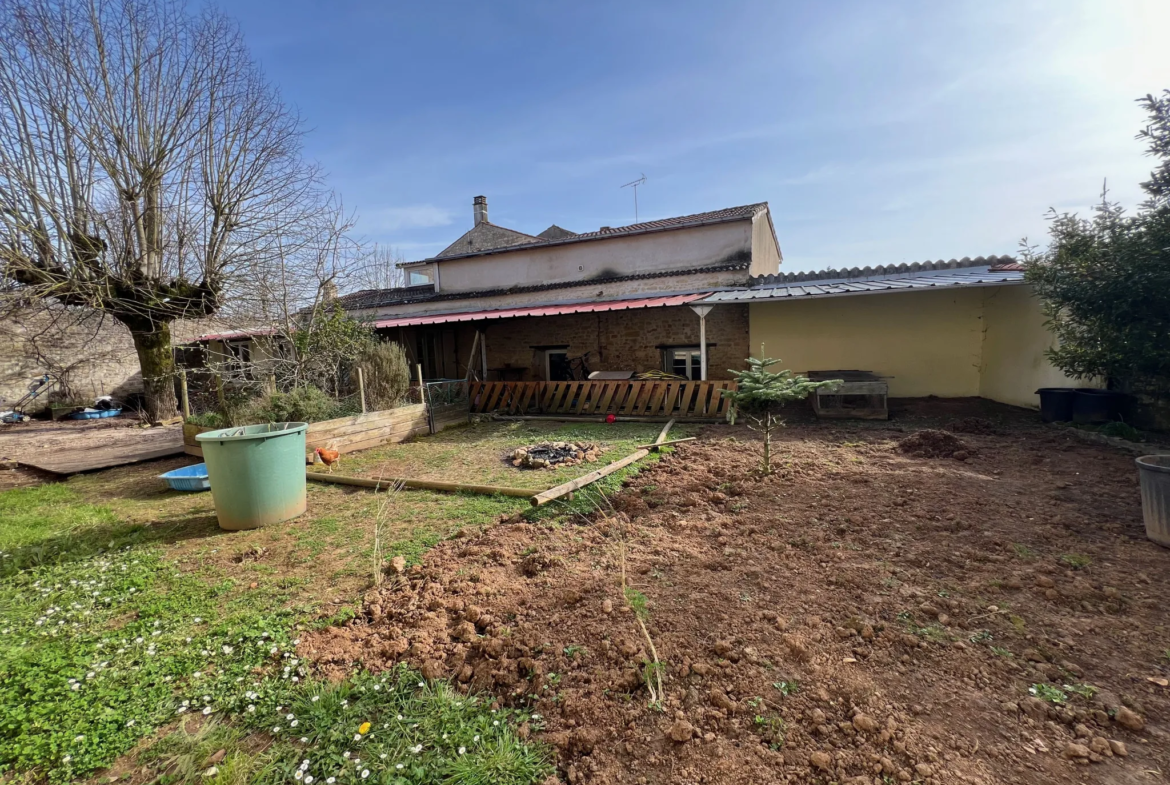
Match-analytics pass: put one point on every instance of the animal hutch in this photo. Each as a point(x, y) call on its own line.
point(863, 395)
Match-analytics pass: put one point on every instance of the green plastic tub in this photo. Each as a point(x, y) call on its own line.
point(257, 473)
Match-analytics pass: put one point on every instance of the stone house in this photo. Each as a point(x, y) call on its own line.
point(561, 304)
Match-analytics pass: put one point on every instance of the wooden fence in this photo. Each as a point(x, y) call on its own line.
point(682, 400)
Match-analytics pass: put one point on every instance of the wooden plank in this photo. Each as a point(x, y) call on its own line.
point(702, 399)
point(595, 389)
point(505, 399)
point(724, 401)
point(530, 391)
point(688, 403)
point(546, 394)
point(610, 391)
point(332, 429)
point(373, 440)
point(563, 397)
point(386, 483)
point(655, 399)
point(474, 396)
point(566, 488)
point(518, 390)
point(553, 494)
point(581, 392)
point(494, 395)
point(486, 392)
point(364, 441)
point(629, 399)
point(666, 443)
point(104, 457)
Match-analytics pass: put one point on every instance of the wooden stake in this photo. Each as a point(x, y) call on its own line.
point(219, 390)
point(575, 485)
point(431, 485)
point(186, 400)
point(422, 388)
point(362, 388)
point(471, 359)
point(656, 445)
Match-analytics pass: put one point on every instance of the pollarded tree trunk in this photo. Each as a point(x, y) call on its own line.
point(152, 341)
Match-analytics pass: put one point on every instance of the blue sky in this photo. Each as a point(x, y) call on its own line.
point(879, 132)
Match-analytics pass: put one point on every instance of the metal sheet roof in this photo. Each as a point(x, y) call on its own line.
point(542, 310)
point(950, 279)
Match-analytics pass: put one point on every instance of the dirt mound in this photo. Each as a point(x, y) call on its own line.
point(931, 443)
point(977, 426)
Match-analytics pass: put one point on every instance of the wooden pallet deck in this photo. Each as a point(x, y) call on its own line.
point(678, 399)
point(122, 448)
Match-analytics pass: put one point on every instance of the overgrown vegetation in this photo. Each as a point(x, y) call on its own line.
point(312, 374)
point(760, 393)
point(106, 640)
point(1105, 280)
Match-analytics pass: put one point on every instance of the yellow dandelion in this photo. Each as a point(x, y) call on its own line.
point(364, 728)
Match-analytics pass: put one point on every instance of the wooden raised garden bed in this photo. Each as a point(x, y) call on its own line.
point(346, 434)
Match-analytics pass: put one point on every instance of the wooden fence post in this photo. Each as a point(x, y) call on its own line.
point(362, 388)
point(186, 400)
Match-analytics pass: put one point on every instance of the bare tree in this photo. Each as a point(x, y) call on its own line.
point(379, 269)
point(147, 169)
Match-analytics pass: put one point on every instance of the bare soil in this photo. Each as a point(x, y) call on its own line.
point(861, 615)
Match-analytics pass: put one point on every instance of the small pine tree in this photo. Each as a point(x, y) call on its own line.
point(760, 393)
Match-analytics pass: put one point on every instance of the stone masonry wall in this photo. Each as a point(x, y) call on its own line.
point(621, 340)
point(95, 355)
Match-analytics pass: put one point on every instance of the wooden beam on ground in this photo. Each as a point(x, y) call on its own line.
point(564, 489)
point(656, 445)
point(429, 485)
point(591, 418)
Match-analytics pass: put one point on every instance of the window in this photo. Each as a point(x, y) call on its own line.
point(239, 354)
point(684, 361)
point(556, 365)
point(420, 276)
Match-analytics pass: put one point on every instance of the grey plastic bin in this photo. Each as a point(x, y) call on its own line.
point(1154, 471)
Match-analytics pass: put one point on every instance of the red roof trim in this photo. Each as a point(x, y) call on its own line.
point(542, 310)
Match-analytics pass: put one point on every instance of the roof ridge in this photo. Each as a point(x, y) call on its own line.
point(881, 269)
point(738, 213)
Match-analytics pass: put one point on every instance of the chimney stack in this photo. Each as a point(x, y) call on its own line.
point(479, 208)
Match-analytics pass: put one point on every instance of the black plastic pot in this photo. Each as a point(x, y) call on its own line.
point(1056, 403)
point(1097, 406)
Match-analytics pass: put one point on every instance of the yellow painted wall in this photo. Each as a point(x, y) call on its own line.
point(985, 341)
point(927, 342)
point(1014, 342)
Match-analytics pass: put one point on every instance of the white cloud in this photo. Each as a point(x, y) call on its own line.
point(416, 216)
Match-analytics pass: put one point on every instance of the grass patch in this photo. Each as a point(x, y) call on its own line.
point(125, 611)
point(1046, 692)
point(1076, 561)
point(1023, 552)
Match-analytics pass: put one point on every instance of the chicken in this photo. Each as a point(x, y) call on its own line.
point(328, 457)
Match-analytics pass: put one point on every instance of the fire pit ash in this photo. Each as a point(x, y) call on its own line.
point(552, 455)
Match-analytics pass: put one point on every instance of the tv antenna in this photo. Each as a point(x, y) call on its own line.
point(640, 181)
